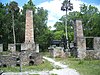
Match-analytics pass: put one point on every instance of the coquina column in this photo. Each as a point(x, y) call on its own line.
point(29, 29)
point(80, 40)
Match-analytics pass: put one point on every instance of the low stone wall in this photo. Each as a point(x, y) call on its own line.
point(57, 52)
point(37, 58)
point(28, 46)
point(27, 57)
point(92, 54)
point(6, 60)
point(31, 57)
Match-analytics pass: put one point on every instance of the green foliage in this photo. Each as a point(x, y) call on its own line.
point(42, 33)
point(9, 69)
point(59, 26)
point(53, 74)
point(30, 6)
point(13, 6)
point(58, 35)
point(80, 62)
point(41, 67)
point(33, 74)
point(90, 17)
point(5, 53)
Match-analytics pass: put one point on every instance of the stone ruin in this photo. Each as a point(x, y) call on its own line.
point(57, 49)
point(29, 54)
point(80, 44)
point(79, 47)
point(79, 39)
point(57, 52)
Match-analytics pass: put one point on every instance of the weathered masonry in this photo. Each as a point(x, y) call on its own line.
point(83, 49)
point(29, 51)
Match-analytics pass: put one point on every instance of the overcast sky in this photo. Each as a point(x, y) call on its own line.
point(54, 6)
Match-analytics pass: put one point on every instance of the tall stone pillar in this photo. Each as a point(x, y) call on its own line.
point(29, 31)
point(80, 40)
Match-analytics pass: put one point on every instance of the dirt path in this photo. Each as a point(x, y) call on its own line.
point(65, 69)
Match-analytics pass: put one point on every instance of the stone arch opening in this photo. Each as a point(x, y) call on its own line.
point(4, 65)
point(31, 63)
point(17, 59)
point(17, 64)
point(30, 57)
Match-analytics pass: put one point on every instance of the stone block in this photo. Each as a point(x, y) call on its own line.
point(71, 45)
point(81, 44)
point(1, 47)
point(96, 43)
point(79, 29)
point(28, 46)
point(37, 48)
point(81, 48)
point(57, 52)
point(81, 54)
point(12, 47)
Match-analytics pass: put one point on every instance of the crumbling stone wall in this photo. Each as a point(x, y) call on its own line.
point(92, 54)
point(81, 43)
point(30, 57)
point(36, 58)
point(25, 57)
point(6, 60)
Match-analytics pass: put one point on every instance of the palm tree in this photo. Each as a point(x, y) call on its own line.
point(13, 7)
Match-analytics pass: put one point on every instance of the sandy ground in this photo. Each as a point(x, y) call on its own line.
point(65, 70)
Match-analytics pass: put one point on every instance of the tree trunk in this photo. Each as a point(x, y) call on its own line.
point(13, 28)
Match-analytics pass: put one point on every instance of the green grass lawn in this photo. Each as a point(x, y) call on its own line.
point(41, 67)
point(33, 74)
point(45, 54)
point(84, 67)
